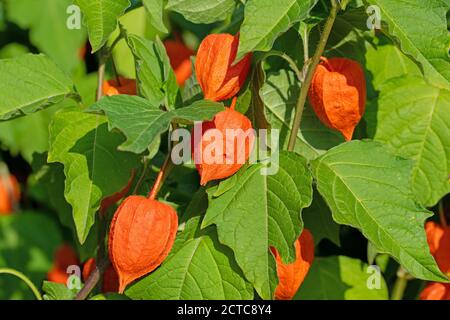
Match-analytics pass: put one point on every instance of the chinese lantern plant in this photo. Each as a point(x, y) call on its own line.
point(231, 152)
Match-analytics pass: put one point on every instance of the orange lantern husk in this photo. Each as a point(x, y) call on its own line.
point(236, 144)
point(292, 275)
point(338, 94)
point(123, 86)
point(140, 238)
point(438, 238)
point(219, 77)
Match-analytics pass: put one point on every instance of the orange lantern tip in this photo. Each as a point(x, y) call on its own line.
point(338, 94)
point(291, 276)
point(123, 86)
point(218, 76)
point(141, 236)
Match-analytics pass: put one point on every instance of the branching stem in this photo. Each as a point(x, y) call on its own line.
point(309, 74)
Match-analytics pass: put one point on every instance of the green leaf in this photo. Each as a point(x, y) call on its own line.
point(319, 221)
point(28, 241)
point(192, 90)
point(15, 134)
point(46, 185)
point(31, 83)
point(386, 62)
point(142, 123)
point(280, 94)
point(413, 118)
point(341, 278)
point(200, 11)
point(265, 20)
point(57, 291)
point(201, 269)
point(156, 79)
point(101, 18)
point(155, 9)
point(349, 35)
point(136, 22)
point(64, 45)
point(368, 188)
point(93, 166)
point(407, 21)
point(262, 211)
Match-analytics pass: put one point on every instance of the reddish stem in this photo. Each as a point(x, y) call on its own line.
point(161, 177)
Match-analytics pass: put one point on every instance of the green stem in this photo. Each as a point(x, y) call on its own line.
point(288, 59)
point(309, 74)
point(94, 278)
point(24, 278)
point(101, 78)
point(400, 284)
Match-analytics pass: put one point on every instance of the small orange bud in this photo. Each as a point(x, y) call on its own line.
point(141, 236)
point(9, 194)
point(180, 59)
point(222, 146)
point(291, 276)
point(436, 291)
point(126, 86)
point(338, 94)
point(65, 256)
point(218, 77)
point(110, 277)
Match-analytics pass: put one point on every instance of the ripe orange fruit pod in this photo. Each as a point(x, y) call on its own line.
point(126, 86)
point(9, 194)
point(110, 277)
point(218, 77)
point(222, 146)
point(436, 291)
point(439, 242)
point(141, 236)
point(338, 94)
point(438, 238)
point(65, 256)
point(180, 59)
point(291, 276)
